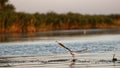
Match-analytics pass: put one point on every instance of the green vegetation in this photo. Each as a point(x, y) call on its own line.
point(19, 22)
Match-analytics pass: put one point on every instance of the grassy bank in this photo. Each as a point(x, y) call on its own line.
point(20, 22)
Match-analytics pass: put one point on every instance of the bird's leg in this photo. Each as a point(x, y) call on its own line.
point(114, 59)
point(73, 56)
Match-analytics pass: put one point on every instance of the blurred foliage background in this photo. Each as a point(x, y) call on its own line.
point(20, 22)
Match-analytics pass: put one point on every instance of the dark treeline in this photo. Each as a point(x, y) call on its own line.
point(19, 22)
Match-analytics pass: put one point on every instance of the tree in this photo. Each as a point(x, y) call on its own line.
point(5, 6)
point(3, 2)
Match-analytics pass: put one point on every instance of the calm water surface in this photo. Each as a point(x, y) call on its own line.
point(47, 45)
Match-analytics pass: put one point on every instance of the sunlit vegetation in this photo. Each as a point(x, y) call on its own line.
point(20, 22)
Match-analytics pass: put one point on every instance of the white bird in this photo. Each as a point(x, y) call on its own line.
point(71, 52)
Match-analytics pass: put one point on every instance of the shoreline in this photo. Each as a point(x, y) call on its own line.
point(7, 37)
point(67, 30)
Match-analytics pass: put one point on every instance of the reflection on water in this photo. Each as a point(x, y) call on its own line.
point(43, 44)
point(95, 44)
point(72, 65)
point(32, 36)
point(59, 62)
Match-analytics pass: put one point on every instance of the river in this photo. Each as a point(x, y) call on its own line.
point(41, 50)
point(46, 45)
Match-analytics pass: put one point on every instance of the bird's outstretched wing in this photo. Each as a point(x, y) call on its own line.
point(63, 46)
point(81, 50)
